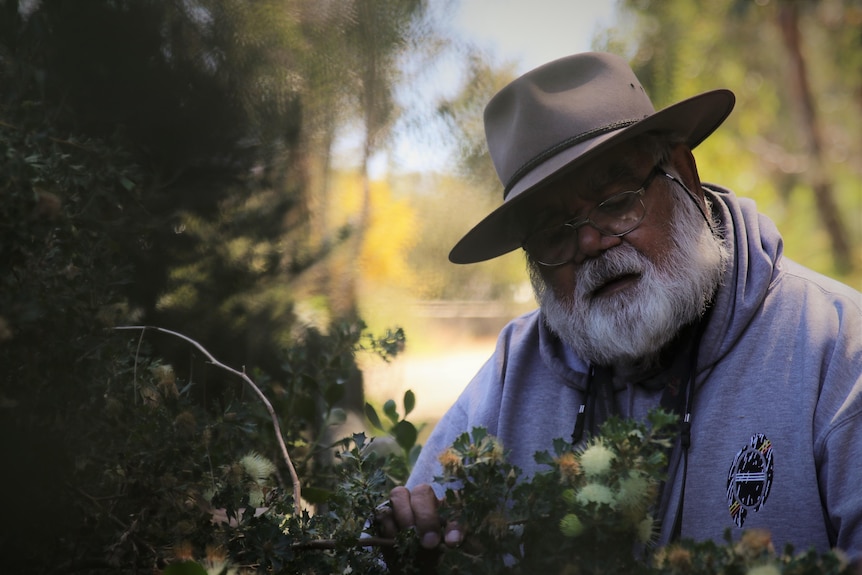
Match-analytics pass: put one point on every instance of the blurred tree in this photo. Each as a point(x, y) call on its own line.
point(812, 133)
point(450, 205)
point(463, 115)
point(363, 69)
point(152, 172)
point(376, 39)
point(758, 152)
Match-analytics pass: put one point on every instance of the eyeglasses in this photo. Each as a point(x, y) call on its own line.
point(615, 216)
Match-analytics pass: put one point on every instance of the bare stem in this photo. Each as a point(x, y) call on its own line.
point(332, 544)
point(297, 490)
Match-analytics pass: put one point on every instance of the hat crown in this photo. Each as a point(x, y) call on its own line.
point(558, 118)
point(558, 105)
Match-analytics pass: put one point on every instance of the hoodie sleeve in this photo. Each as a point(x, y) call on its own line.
point(838, 447)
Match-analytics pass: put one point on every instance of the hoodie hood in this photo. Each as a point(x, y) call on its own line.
point(756, 250)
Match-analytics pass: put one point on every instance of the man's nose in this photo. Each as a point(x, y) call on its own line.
point(591, 243)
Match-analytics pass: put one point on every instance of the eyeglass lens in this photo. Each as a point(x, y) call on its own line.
point(616, 216)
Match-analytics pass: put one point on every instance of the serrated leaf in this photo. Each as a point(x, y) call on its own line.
point(543, 458)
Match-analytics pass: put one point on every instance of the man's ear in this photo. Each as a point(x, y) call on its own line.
point(682, 159)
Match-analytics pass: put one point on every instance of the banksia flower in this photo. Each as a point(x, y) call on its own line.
point(768, 569)
point(755, 543)
point(183, 551)
point(571, 525)
point(167, 380)
point(646, 530)
point(634, 491)
point(678, 558)
point(570, 468)
point(258, 467)
point(596, 493)
point(185, 424)
point(596, 460)
point(47, 206)
point(450, 461)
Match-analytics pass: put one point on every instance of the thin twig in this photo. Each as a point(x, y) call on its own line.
point(297, 490)
point(135, 373)
point(333, 544)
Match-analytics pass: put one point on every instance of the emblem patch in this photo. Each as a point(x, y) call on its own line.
point(749, 478)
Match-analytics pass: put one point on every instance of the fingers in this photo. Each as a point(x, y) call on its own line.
point(427, 520)
point(452, 535)
point(417, 509)
point(402, 510)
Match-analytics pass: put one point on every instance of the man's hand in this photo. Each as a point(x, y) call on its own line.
point(419, 509)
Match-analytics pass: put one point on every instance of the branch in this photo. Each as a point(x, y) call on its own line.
point(297, 490)
point(333, 544)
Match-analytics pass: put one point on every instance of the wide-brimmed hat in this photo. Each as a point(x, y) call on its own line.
point(559, 116)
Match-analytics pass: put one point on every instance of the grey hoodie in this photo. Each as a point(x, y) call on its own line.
point(776, 438)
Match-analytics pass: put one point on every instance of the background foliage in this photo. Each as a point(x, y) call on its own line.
point(173, 164)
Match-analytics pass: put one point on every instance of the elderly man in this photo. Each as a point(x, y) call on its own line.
point(656, 289)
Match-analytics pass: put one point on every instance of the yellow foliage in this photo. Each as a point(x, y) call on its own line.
point(390, 236)
point(391, 233)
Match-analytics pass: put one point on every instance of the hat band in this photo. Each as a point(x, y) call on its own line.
point(557, 148)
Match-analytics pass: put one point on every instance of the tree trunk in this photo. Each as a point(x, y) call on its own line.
point(788, 20)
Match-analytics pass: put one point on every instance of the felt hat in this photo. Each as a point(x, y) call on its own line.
point(557, 117)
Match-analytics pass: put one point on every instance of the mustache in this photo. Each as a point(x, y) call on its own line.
point(612, 264)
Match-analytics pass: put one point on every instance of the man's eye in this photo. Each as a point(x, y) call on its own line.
point(619, 203)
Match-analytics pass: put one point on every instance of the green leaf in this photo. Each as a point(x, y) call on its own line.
point(409, 402)
point(543, 458)
point(405, 435)
point(390, 410)
point(185, 568)
point(372, 416)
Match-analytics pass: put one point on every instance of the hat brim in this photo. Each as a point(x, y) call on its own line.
point(498, 233)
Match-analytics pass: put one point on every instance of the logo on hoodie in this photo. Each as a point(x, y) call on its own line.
point(749, 478)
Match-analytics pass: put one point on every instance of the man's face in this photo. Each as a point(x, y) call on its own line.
point(623, 298)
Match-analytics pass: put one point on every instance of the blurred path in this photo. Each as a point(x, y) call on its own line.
point(436, 378)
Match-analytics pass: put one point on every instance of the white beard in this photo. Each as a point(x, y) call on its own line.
point(636, 323)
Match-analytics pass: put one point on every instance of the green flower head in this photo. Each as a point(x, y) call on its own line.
point(596, 460)
point(646, 530)
point(768, 569)
point(571, 526)
point(634, 492)
point(596, 493)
